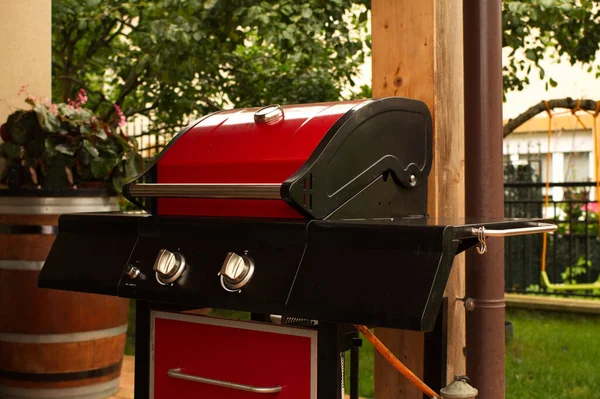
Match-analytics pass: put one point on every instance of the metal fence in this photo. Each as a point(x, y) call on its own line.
point(150, 140)
point(573, 252)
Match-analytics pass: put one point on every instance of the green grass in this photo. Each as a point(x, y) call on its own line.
point(553, 355)
point(366, 364)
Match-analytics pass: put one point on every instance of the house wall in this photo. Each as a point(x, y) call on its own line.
point(571, 150)
point(25, 52)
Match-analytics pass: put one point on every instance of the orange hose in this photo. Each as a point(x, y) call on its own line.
point(389, 356)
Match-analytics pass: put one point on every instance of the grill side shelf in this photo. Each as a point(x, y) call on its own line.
point(90, 252)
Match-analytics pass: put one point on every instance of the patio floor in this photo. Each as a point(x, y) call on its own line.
point(126, 389)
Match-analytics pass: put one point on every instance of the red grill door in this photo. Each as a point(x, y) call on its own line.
point(190, 349)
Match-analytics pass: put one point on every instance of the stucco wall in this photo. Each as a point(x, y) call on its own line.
point(25, 52)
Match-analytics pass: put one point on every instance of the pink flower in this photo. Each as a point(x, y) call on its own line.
point(82, 97)
point(79, 101)
point(122, 120)
point(53, 108)
point(592, 206)
point(22, 90)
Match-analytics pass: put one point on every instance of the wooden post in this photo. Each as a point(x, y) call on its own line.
point(418, 53)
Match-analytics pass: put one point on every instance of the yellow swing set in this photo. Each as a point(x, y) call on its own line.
point(545, 281)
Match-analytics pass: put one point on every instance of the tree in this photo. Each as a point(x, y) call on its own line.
point(537, 29)
point(174, 58)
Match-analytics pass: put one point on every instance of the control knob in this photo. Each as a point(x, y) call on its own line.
point(168, 266)
point(236, 271)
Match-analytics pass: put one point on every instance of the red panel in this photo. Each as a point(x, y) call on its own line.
point(229, 147)
point(238, 355)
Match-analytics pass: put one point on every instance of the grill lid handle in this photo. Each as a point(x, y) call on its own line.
point(269, 191)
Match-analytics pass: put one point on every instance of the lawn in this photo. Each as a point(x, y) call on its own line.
point(552, 355)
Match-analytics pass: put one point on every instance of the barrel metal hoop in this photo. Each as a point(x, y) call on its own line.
point(57, 377)
point(56, 205)
point(92, 391)
point(63, 338)
point(28, 229)
point(31, 265)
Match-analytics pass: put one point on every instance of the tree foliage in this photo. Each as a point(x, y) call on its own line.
point(171, 58)
point(534, 30)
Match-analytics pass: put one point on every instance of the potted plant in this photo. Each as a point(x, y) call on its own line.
point(66, 146)
point(60, 158)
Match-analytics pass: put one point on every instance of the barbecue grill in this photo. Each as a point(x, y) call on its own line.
point(310, 217)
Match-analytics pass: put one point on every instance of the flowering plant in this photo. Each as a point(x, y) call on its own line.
point(65, 146)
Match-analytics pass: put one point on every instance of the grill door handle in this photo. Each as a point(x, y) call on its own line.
point(540, 228)
point(176, 373)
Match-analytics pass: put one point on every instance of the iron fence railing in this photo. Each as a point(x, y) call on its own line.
point(573, 252)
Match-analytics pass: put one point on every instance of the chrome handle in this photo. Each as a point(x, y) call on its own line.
point(207, 190)
point(268, 114)
point(176, 373)
point(540, 228)
point(482, 233)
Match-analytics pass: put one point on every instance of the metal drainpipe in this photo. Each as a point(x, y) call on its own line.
point(482, 21)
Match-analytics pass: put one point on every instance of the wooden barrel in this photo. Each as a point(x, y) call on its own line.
point(53, 344)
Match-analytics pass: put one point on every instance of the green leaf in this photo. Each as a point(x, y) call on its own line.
point(46, 119)
point(307, 13)
point(100, 133)
point(56, 176)
point(93, 151)
point(10, 150)
point(531, 55)
point(132, 165)
point(103, 165)
point(50, 146)
point(30, 101)
point(552, 82)
point(21, 126)
point(66, 149)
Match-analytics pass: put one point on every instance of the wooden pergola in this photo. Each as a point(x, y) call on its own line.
point(418, 52)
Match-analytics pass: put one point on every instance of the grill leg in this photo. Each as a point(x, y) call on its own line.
point(142, 350)
point(329, 365)
point(354, 367)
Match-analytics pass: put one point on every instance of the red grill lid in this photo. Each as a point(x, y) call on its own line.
point(231, 147)
point(341, 160)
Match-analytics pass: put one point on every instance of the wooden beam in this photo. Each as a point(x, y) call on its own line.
point(567, 305)
point(417, 53)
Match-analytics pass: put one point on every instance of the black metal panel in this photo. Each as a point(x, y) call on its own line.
point(362, 272)
point(436, 352)
point(143, 329)
point(377, 137)
point(276, 247)
point(383, 272)
point(90, 252)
